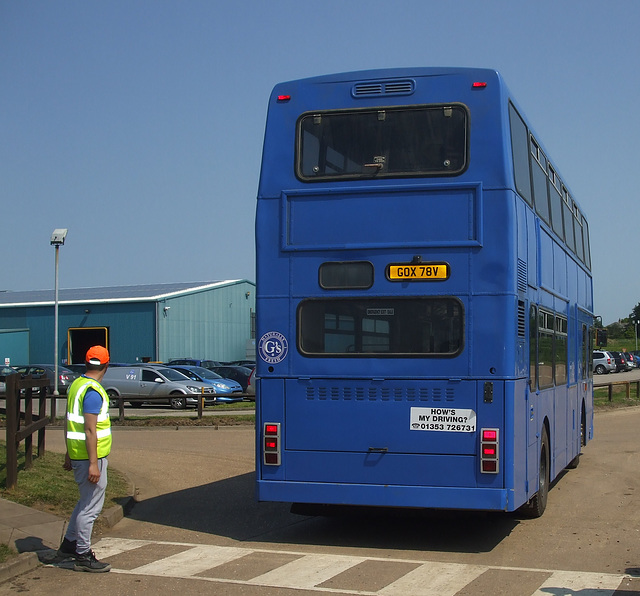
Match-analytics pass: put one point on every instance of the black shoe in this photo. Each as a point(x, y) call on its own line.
point(88, 562)
point(67, 549)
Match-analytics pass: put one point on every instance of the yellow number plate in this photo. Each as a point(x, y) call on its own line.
point(418, 271)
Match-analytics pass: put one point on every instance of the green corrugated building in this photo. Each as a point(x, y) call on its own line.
point(212, 320)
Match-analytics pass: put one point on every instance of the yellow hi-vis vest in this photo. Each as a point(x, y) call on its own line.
point(76, 445)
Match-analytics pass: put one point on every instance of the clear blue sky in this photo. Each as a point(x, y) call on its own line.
point(139, 125)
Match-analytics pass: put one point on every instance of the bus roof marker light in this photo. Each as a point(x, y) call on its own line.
point(479, 85)
point(283, 98)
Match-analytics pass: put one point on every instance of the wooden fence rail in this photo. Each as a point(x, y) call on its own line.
point(120, 399)
point(21, 424)
point(627, 385)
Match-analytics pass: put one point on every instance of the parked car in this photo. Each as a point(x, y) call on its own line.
point(194, 362)
point(631, 360)
point(621, 362)
point(603, 362)
point(251, 387)
point(226, 390)
point(5, 371)
point(38, 371)
point(80, 369)
point(155, 383)
point(247, 363)
point(237, 373)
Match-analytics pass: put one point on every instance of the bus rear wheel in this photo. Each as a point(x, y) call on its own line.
point(538, 503)
point(573, 464)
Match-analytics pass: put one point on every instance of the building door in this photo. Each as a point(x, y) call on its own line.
point(82, 338)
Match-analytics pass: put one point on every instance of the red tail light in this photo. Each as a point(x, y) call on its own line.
point(489, 450)
point(271, 447)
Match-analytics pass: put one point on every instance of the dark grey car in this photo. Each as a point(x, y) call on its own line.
point(38, 371)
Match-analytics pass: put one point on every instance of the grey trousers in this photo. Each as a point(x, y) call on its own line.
point(89, 505)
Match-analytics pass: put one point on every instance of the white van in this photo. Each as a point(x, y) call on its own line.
point(147, 383)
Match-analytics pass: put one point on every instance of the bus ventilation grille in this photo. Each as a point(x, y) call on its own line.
point(522, 276)
point(410, 394)
point(383, 88)
point(522, 319)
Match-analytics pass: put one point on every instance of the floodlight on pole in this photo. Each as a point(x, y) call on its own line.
point(57, 240)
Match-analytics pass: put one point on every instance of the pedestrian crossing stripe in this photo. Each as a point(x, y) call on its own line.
point(332, 573)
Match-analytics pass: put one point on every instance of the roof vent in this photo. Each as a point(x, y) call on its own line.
point(376, 88)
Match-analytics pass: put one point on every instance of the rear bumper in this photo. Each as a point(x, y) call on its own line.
point(427, 497)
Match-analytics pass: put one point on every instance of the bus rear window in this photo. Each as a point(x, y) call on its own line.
point(381, 327)
point(382, 142)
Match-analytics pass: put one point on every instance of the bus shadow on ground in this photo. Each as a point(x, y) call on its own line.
point(228, 508)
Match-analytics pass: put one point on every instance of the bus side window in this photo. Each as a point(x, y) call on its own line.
point(533, 348)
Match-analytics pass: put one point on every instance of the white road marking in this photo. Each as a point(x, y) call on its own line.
point(434, 579)
point(307, 572)
point(192, 561)
point(583, 583)
point(310, 570)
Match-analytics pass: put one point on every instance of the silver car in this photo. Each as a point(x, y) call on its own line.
point(603, 362)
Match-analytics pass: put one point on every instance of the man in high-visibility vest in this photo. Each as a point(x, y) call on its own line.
point(88, 438)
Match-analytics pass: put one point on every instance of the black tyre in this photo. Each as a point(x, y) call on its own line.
point(178, 401)
point(538, 503)
point(573, 464)
point(114, 400)
point(600, 370)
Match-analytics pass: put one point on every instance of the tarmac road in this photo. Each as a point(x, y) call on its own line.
point(196, 507)
point(628, 375)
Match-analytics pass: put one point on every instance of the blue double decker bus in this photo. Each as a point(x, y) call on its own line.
point(424, 297)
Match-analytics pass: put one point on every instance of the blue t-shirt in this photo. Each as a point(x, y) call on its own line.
point(92, 402)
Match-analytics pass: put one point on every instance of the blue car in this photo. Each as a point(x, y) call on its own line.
point(227, 390)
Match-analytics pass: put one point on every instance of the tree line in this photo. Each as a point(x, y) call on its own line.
point(623, 328)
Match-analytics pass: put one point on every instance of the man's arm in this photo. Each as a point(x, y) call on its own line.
point(91, 441)
point(67, 460)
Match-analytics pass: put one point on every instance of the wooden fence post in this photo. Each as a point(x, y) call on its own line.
point(13, 412)
point(14, 433)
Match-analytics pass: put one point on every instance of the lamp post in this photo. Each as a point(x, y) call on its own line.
point(636, 322)
point(57, 240)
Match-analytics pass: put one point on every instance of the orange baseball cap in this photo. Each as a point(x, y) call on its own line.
point(97, 355)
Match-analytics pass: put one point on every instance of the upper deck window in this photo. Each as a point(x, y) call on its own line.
point(383, 142)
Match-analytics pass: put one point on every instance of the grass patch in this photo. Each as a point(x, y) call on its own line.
point(239, 405)
point(152, 421)
point(185, 420)
point(47, 487)
point(619, 397)
point(6, 552)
